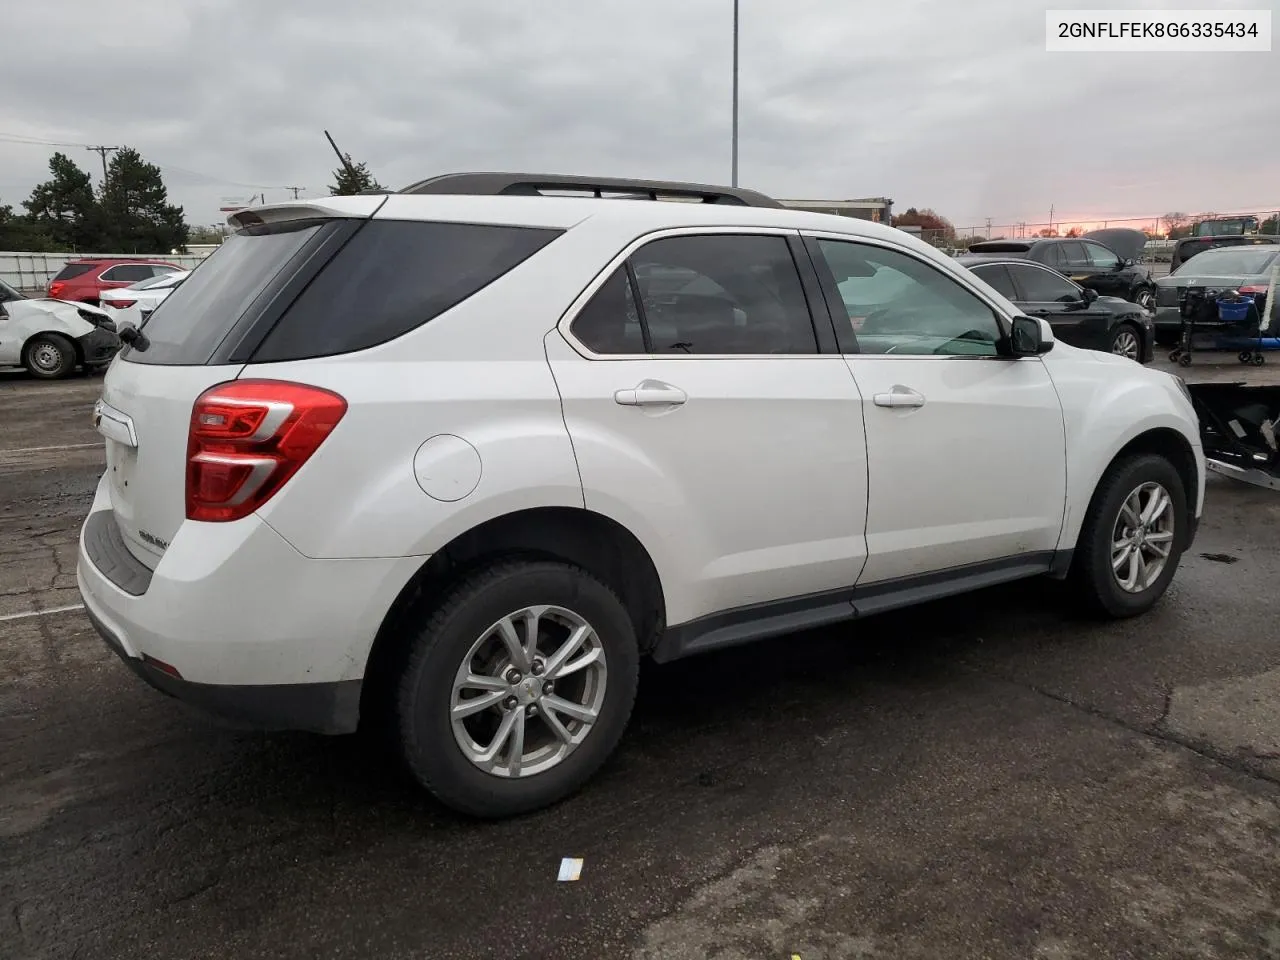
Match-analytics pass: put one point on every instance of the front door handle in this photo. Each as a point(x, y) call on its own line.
point(900, 396)
point(651, 393)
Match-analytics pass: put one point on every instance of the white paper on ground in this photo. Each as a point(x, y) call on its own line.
point(570, 869)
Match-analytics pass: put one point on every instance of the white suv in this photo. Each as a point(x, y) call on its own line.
point(461, 458)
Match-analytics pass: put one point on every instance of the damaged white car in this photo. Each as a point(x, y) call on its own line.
point(51, 338)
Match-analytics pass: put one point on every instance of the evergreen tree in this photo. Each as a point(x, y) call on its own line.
point(136, 207)
point(64, 209)
point(349, 182)
point(18, 232)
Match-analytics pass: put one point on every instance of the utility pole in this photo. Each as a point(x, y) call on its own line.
point(988, 228)
point(735, 94)
point(102, 152)
point(1051, 218)
point(296, 191)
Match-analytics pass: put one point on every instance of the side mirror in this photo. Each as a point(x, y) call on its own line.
point(1030, 337)
point(1090, 295)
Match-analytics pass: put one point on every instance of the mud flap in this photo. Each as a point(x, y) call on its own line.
point(1239, 425)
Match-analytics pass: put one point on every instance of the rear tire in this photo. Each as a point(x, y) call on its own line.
point(49, 356)
point(1103, 565)
point(462, 638)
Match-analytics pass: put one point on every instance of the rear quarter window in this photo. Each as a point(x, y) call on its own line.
point(392, 277)
point(72, 270)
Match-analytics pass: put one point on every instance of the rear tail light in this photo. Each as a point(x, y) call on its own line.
point(55, 289)
point(1257, 289)
point(119, 304)
point(247, 438)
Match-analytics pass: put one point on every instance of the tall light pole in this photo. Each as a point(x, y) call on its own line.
point(735, 94)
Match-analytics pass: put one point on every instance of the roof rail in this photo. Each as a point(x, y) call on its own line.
point(534, 184)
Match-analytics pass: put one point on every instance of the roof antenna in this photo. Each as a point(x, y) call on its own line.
point(341, 157)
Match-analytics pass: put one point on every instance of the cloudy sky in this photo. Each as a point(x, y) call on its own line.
point(937, 103)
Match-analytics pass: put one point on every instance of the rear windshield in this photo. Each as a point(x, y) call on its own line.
point(192, 321)
point(74, 270)
point(1234, 261)
point(392, 277)
point(998, 246)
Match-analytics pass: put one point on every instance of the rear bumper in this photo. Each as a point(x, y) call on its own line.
point(237, 623)
point(330, 708)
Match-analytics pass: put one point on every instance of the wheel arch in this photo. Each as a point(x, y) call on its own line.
point(47, 332)
point(572, 535)
point(1162, 441)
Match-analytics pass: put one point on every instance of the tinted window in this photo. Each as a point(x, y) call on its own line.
point(1241, 261)
point(1053, 256)
point(392, 277)
point(1073, 255)
point(191, 322)
point(1101, 257)
point(898, 304)
point(73, 270)
point(1044, 286)
point(723, 294)
point(997, 275)
point(158, 270)
point(128, 273)
point(7, 293)
point(610, 323)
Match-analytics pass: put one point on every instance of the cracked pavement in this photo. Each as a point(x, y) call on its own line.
point(984, 778)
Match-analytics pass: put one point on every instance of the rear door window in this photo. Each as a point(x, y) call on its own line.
point(72, 270)
point(723, 294)
point(128, 273)
point(390, 278)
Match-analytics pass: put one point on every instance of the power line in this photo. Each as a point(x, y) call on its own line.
point(296, 191)
point(23, 140)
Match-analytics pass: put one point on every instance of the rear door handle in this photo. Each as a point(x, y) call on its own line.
point(899, 396)
point(651, 393)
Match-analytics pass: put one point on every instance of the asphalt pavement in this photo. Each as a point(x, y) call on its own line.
point(989, 777)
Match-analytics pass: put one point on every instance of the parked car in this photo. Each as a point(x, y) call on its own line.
point(440, 462)
point(1079, 316)
point(133, 304)
point(1108, 262)
point(1245, 270)
point(82, 281)
point(1188, 247)
point(51, 338)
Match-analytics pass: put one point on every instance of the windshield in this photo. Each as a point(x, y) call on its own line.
point(1226, 228)
point(1231, 261)
point(8, 293)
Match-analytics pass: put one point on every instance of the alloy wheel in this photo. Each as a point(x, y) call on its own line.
point(1125, 344)
point(1142, 537)
point(528, 692)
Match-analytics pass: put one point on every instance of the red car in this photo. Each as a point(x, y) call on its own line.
point(81, 281)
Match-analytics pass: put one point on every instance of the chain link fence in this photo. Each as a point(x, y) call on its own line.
point(1157, 229)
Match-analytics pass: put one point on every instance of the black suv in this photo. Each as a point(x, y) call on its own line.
point(1106, 261)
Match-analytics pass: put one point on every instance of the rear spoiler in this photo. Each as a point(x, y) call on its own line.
point(325, 208)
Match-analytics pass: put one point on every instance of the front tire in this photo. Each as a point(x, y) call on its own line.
point(1126, 341)
point(1133, 537)
point(49, 356)
point(1146, 299)
point(517, 688)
